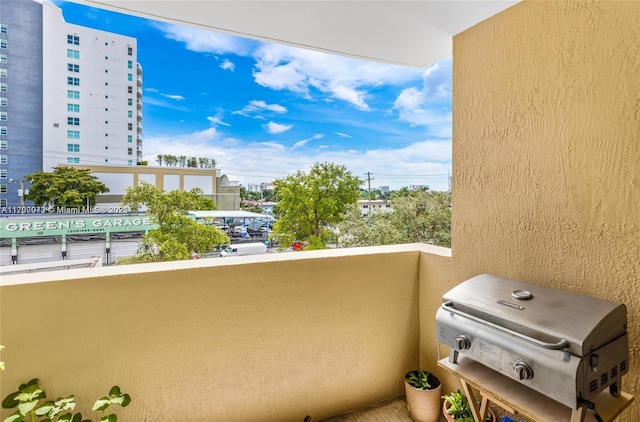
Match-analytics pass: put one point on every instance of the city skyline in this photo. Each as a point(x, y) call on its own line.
point(264, 110)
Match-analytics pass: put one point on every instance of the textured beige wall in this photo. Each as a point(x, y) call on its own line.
point(546, 152)
point(274, 337)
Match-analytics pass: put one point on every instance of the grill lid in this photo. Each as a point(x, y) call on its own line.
point(555, 319)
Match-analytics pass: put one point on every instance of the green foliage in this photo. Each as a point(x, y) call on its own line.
point(177, 235)
point(459, 407)
point(310, 202)
point(64, 187)
point(422, 380)
point(29, 402)
point(376, 229)
point(170, 160)
point(424, 217)
point(420, 216)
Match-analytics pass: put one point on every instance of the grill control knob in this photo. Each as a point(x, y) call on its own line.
point(463, 342)
point(523, 371)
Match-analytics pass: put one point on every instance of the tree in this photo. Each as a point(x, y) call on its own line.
point(423, 216)
point(376, 229)
point(419, 216)
point(309, 203)
point(177, 236)
point(64, 187)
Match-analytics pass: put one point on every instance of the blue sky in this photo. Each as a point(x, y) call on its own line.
point(265, 110)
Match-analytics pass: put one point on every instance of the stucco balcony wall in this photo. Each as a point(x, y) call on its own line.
point(274, 337)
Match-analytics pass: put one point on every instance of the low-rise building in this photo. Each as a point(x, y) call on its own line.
point(215, 185)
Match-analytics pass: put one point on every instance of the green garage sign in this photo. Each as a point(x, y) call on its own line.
point(73, 225)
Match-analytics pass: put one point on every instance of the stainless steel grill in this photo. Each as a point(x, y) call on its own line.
point(566, 346)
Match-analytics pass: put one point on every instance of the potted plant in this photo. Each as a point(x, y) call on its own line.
point(423, 390)
point(456, 408)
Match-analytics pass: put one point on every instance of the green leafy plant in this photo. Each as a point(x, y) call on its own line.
point(32, 406)
point(459, 407)
point(422, 380)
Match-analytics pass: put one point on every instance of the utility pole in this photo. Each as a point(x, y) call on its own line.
point(22, 192)
point(369, 179)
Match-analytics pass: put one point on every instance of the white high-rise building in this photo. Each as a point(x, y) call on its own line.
point(92, 95)
point(68, 95)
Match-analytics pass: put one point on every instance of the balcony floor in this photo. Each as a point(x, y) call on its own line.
point(391, 411)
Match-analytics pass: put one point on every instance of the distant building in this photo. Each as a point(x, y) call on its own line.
point(417, 187)
point(374, 206)
point(216, 186)
point(384, 189)
point(68, 95)
point(252, 187)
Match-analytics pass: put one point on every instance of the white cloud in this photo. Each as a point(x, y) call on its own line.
point(204, 41)
point(422, 163)
point(227, 65)
point(282, 67)
point(429, 105)
point(275, 128)
point(173, 97)
point(304, 142)
point(259, 105)
point(344, 135)
point(217, 121)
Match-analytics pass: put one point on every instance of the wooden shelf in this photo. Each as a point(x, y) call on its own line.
point(518, 399)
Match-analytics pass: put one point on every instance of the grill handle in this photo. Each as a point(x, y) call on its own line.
point(559, 345)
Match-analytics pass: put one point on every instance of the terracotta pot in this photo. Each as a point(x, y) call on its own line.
point(424, 405)
point(449, 418)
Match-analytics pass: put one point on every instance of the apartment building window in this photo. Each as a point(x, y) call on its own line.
point(73, 39)
point(3, 173)
point(130, 51)
point(3, 87)
point(73, 81)
point(73, 67)
point(73, 121)
point(129, 138)
point(3, 43)
point(130, 89)
point(3, 188)
point(129, 101)
point(3, 144)
point(130, 114)
point(3, 159)
point(74, 108)
point(3, 131)
point(73, 134)
point(129, 151)
point(73, 54)
point(3, 116)
point(130, 77)
point(3, 202)
point(3, 101)
point(130, 126)
point(73, 147)
point(3, 28)
point(129, 64)
point(73, 160)
point(3, 73)
point(3, 58)
point(74, 95)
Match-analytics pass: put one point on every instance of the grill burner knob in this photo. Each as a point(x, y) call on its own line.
point(463, 342)
point(523, 371)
